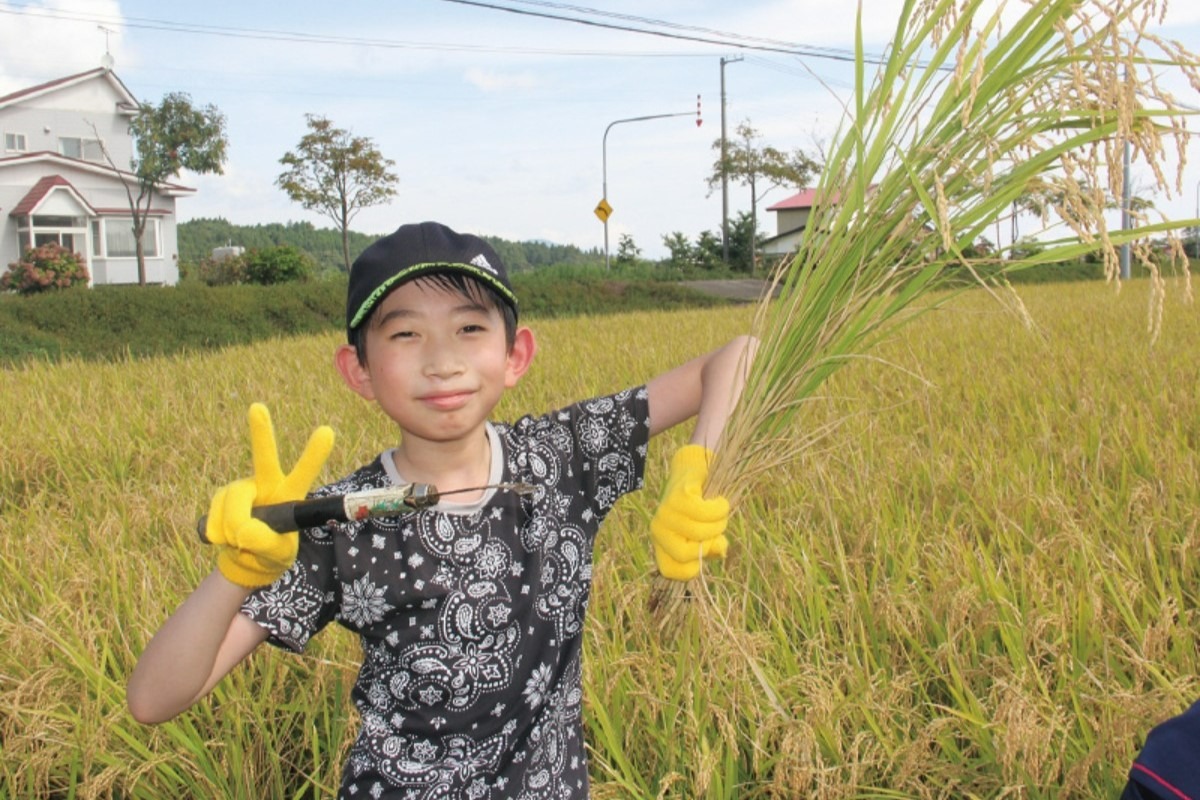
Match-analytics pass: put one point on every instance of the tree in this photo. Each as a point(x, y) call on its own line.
point(337, 174)
point(683, 256)
point(748, 163)
point(168, 138)
point(743, 242)
point(1043, 196)
point(627, 250)
point(709, 250)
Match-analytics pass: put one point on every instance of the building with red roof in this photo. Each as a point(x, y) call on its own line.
point(791, 219)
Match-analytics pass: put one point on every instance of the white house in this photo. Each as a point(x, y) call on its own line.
point(57, 186)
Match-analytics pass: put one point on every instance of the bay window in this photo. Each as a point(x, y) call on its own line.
point(113, 238)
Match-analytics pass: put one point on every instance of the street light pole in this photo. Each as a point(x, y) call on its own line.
point(604, 161)
point(724, 175)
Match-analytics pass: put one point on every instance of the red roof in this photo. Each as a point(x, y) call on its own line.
point(805, 198)
point(38, 193)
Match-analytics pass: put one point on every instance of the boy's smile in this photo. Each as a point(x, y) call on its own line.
point(447, 401)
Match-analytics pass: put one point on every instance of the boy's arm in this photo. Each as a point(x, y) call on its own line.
point(687, 526)
point(206, 637)
point(195, 648)
point(706, 387)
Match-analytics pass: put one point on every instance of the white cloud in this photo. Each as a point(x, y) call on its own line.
point(490, 81)
point(40, 44)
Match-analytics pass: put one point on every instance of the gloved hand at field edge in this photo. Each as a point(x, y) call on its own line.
point(250, 553)
point(687, 526)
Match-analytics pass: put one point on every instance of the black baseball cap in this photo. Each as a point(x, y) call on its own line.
point(419, 249)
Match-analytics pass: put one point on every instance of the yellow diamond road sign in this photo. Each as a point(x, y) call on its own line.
point(603, 210)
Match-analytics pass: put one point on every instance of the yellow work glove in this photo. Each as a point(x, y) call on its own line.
point(250, 553)
point(687, 526)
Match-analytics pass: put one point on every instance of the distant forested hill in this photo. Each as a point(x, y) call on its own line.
point(198, 237)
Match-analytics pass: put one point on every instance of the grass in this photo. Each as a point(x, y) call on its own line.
point(982, 584)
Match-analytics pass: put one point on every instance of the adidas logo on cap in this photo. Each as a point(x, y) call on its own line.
point(481, 261)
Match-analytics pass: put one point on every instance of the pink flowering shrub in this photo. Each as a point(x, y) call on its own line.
point(50, 266)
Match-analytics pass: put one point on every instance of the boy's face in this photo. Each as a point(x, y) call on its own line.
point(437, 361)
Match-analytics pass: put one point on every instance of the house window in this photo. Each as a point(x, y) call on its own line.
point(119, 242)
point(66, 239)
point(14, 142)
point(85, 149)
point(69, 232)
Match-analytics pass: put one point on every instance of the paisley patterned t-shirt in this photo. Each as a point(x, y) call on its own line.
point(470, 616)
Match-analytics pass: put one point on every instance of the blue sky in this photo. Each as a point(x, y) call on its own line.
point(495, 120)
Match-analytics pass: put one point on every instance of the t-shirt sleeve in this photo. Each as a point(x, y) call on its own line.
point(302, 601)
point(612, 434)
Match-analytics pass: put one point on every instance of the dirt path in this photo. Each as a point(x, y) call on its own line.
point(744, 289)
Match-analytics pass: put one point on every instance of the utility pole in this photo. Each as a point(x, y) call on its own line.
point(724, 176)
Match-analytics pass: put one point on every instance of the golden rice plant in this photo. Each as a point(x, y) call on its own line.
point(977, 106)
point(974, 109)
point(987, 590)
point(990, 590)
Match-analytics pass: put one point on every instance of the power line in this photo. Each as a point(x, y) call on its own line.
point(841, 52)
point(297, 37)
point(801, 71)
point(711, 36)
point(740, 41)
point(727, 40)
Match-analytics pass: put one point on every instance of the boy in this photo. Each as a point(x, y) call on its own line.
point(470, 613)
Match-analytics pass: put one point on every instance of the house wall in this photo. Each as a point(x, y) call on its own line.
point(71, 112)
point(164, 269)
point(784, 244)
point(789, 219)
point(15, 183)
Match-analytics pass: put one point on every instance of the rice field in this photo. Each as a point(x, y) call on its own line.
point(981, 583)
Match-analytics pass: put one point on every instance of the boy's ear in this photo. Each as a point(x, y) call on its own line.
point(356, 376)
point(520, 356)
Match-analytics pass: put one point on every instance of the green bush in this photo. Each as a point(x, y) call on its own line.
point(50, 266)
point(280, 264)
point(264, 266)
point(226, 271)
point(110, 322)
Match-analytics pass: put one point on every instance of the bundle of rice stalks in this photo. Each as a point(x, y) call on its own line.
point(975, 109)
